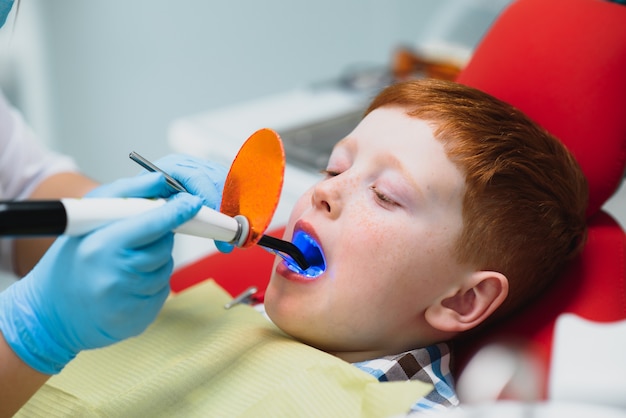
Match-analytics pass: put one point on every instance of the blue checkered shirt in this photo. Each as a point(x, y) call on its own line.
point(430, 364)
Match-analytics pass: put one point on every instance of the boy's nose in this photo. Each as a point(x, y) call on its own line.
point(327, 196)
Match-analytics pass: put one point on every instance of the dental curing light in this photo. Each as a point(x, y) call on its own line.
point(250, 197)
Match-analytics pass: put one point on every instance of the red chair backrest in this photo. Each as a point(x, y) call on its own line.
point(563, 62)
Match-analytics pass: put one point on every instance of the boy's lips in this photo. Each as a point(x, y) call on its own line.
point(306, 240)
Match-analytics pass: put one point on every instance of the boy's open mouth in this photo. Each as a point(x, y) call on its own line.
point(313, 254)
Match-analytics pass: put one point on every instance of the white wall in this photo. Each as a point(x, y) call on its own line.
point(100, 78)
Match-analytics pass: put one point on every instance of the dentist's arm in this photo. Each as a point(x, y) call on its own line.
point(26, 252)
point(18, 381)
point(89, 291)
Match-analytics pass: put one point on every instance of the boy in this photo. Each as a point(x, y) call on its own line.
point(444, 209)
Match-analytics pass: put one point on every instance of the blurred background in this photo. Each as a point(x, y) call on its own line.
point(97, 79)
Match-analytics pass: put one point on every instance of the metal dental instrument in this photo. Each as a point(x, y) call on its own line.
point(244, 297)
point(274, 245)
point(151, 167)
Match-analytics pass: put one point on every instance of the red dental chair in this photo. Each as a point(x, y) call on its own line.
point(562, 62)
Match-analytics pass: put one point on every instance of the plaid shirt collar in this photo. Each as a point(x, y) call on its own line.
point(430, 365)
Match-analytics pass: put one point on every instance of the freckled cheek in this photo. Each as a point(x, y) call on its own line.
point(405, 242)
point(435, 256)
point(381, 243)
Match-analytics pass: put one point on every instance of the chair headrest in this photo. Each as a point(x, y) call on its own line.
point(563, 63)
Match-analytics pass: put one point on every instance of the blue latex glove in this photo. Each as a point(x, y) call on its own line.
point(200, 177)
point(5, 9)
point(92, 291)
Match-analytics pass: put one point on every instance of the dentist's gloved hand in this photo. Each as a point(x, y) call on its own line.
point(200, 177)
point(92, 291)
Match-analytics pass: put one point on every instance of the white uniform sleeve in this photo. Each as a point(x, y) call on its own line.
point(24, 163)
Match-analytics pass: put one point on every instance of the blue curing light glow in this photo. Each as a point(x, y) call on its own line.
point(313, 254)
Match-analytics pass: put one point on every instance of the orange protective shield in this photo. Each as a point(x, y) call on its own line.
point(254, 182)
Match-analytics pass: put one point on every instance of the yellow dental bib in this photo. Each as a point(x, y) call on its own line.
point(198, 359)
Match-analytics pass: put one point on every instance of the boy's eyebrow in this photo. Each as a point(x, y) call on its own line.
point(392, 161)
point(385, 159)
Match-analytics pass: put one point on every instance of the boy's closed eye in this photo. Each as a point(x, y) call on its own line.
point(383, 199)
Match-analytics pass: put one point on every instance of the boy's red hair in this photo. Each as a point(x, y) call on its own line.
point(525, 199)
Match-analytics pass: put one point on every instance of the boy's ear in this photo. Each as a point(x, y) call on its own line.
point(472, 303)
